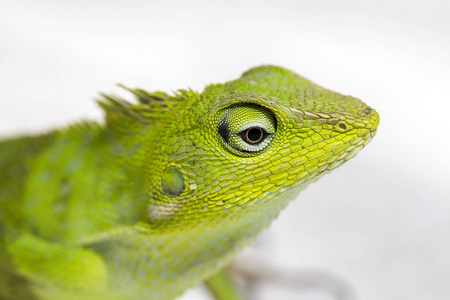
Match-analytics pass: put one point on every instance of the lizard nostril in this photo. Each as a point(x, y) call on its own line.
point(342, 126)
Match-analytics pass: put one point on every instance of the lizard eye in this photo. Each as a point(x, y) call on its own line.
point(246, 128)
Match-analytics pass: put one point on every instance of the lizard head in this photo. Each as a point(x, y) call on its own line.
point(250, 145)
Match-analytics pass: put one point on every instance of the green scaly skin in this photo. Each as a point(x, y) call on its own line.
point(169, 189)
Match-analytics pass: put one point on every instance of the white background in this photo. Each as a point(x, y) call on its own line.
point(382, 221)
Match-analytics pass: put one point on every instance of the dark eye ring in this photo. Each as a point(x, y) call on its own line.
point(253, 135)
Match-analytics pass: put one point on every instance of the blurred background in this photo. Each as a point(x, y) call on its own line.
point(379, 226)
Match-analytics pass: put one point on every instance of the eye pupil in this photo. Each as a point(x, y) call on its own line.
point(254, 135)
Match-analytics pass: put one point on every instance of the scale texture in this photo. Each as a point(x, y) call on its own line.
point(165, 192)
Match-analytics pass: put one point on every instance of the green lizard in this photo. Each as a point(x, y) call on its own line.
point(169, 189)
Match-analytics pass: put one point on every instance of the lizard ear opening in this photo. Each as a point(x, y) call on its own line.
point(172, 182)
point(246, 128)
